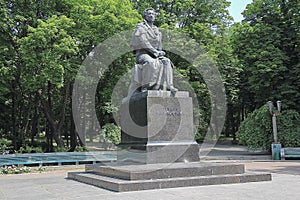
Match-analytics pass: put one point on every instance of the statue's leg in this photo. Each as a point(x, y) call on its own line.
point(160, 75)
point(168, 72)
point(151, 70)
point(134, 83)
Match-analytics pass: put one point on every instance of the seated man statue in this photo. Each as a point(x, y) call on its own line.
point(153, 69)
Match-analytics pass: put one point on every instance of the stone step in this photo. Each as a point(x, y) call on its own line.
point(121, 185)
point(163, 170)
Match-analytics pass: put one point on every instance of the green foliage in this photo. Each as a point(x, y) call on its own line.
point(61, 149)
point(184, 13)
point(41, 169)
point(112, 133)
point(43, 44)
point(45, 52)
point(30, 149)
point(256, 130)
point(289, 128)
point(81, 149)
point(14, 170)
point(266, 44)
point(19, 170)
point(5, 146)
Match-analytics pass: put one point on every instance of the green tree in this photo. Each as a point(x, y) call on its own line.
point(46, 53)
point(96, 21)
point(20, 106)
point(42, 45)
point(267, 46)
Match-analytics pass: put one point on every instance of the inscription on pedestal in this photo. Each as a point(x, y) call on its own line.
point(169, 112)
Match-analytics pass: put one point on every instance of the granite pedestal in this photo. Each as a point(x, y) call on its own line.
point(158, 150)
point(159, 176)
point(157, 127)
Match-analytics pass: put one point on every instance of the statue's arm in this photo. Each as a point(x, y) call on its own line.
point(140, 41)
point(149, 47)
point(160, 43)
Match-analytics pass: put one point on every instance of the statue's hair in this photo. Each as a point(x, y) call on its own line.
point(146, 11)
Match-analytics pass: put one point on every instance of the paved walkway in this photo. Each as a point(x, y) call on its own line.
point(235, 152)
point(54, 185)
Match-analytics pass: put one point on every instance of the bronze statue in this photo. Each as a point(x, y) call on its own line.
point(153, 69)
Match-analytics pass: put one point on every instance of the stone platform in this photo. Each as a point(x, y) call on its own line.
point(128, 177)
point(158, 149)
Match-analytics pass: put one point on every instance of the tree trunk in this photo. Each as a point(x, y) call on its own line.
point(14, 125)
point(35, 121)
point(72, 124)
point(54, 125)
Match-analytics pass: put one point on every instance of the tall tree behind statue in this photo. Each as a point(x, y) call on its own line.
point(42, 45)
point(267, 46)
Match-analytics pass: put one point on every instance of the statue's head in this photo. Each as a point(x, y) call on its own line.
point(149, 14)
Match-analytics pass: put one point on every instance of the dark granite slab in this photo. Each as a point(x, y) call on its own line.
point(163, 170)
point(161, 152)
point(120, 185)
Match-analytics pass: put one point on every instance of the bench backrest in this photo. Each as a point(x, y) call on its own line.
point(292, 151)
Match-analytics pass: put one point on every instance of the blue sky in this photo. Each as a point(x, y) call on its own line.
point(238, 6)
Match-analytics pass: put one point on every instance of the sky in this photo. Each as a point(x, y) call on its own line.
point(236, 7)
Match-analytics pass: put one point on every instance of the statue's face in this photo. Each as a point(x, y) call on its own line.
point(150, 16)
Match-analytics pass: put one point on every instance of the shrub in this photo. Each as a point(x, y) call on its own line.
point(60, 149)
point(256, 130)
point(289, 128)
point(14, 170)
point(112, 133)
point(81, 149)
point(30, 149)
point(5, 145)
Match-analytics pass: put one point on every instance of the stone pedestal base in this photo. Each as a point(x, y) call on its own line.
point(158, 176)
point(157, 127)
point(160, 153)
point(158, 150)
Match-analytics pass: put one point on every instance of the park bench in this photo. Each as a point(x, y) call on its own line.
point(290, 153)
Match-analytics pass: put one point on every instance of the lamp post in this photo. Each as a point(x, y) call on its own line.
point(276, 146)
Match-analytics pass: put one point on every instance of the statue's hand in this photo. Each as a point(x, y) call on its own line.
point(161, 53)
point(156, 54)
